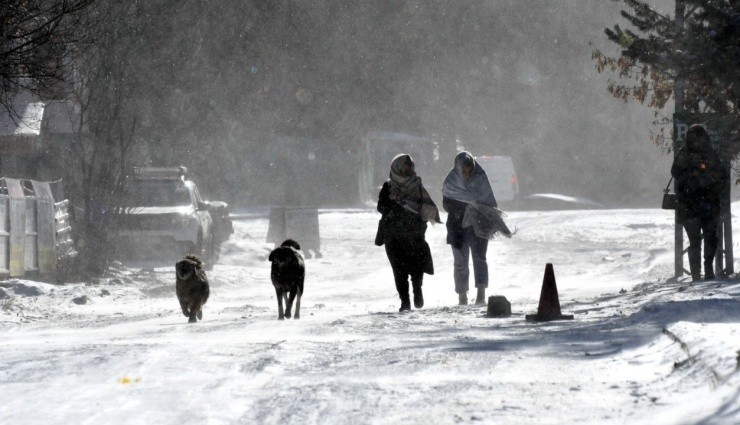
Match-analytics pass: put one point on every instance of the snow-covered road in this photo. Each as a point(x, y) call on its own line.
point(642, 348)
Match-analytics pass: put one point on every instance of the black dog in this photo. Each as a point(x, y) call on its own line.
point(191, 287)
point(288, 272)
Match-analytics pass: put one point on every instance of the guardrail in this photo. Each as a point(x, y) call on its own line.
point(35, 232)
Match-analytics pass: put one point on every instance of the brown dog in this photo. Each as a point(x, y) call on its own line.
point(288, 272)
point(192, 287)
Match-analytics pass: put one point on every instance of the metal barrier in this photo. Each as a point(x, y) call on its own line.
point(34, 230)
point(65, 248)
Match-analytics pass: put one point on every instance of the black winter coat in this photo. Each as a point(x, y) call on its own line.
point(399, 227)
point(701, 178)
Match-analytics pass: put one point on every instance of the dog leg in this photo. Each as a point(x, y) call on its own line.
point(195, 309)
point(298, 305)
point(192, 319)
point(184, 307)
point(281, 315)
point(289, 304)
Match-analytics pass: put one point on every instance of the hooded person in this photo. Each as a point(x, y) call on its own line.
point(473, 219)
point(406, 208)
point(701, 180)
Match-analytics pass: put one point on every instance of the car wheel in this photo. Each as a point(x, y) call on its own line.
point(207, 251)
point(198, 248)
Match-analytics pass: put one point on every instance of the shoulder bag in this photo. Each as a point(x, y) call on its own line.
point(669, 198)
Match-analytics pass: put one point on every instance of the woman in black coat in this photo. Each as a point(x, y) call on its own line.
point(406, 208)
point(701, 181)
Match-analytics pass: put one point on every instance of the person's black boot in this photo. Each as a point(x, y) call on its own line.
point(418, 297)
point(418, 294)
point(695, 267)
point(462, 298)
point(405, 303)
point(709, 269)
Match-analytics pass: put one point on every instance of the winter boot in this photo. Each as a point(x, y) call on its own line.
point(480, 298)
point(405, 303)
point(695, 267)
point(418, 294)
point(709, 270)
point(462, 298)
point(418, 297)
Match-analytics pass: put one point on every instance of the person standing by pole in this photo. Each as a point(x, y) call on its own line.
point(406, 208)
point(473, 219)
point(701, 179)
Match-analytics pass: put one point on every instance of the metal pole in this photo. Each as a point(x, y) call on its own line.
point(678, 94)
point(727, 222)
point(729, 254)
point(719, 255)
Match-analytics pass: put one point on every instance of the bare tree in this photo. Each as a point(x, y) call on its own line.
point(36, 37)
point(109, 82)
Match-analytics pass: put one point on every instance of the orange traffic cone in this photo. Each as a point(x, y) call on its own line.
point(549, 308)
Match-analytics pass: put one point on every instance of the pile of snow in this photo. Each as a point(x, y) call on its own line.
point(642, 348)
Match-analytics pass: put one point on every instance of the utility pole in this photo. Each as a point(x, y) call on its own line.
point(678, 92)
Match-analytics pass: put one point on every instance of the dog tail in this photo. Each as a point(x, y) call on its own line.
point(291, 243)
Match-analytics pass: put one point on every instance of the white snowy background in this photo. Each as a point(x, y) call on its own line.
point(641, 349)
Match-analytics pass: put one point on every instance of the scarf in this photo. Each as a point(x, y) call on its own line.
point(476, 192)
point(412, 195)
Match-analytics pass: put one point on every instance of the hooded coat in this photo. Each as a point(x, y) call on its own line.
point(701, 178)
point(401, 227)
point(470, 202)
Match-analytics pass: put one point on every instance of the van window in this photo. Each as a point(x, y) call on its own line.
point(502, 175)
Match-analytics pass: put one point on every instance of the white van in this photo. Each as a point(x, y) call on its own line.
point(501, 174)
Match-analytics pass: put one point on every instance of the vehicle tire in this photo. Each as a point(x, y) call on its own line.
point(198, 248)
point(209, 260)
point(216, 252)
point(206, 249)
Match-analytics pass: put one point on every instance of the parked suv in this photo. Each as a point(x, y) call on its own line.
point(501, 174)
point(165, 217)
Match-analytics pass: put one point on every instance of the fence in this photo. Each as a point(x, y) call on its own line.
point(35, 234)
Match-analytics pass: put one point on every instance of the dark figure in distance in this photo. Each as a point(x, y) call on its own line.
point(191, 287)
point(288, 273)
point(701, 179)
point(406, 207)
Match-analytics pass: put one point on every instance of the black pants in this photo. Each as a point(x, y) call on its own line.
point(405, 260)
point(696, 227)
